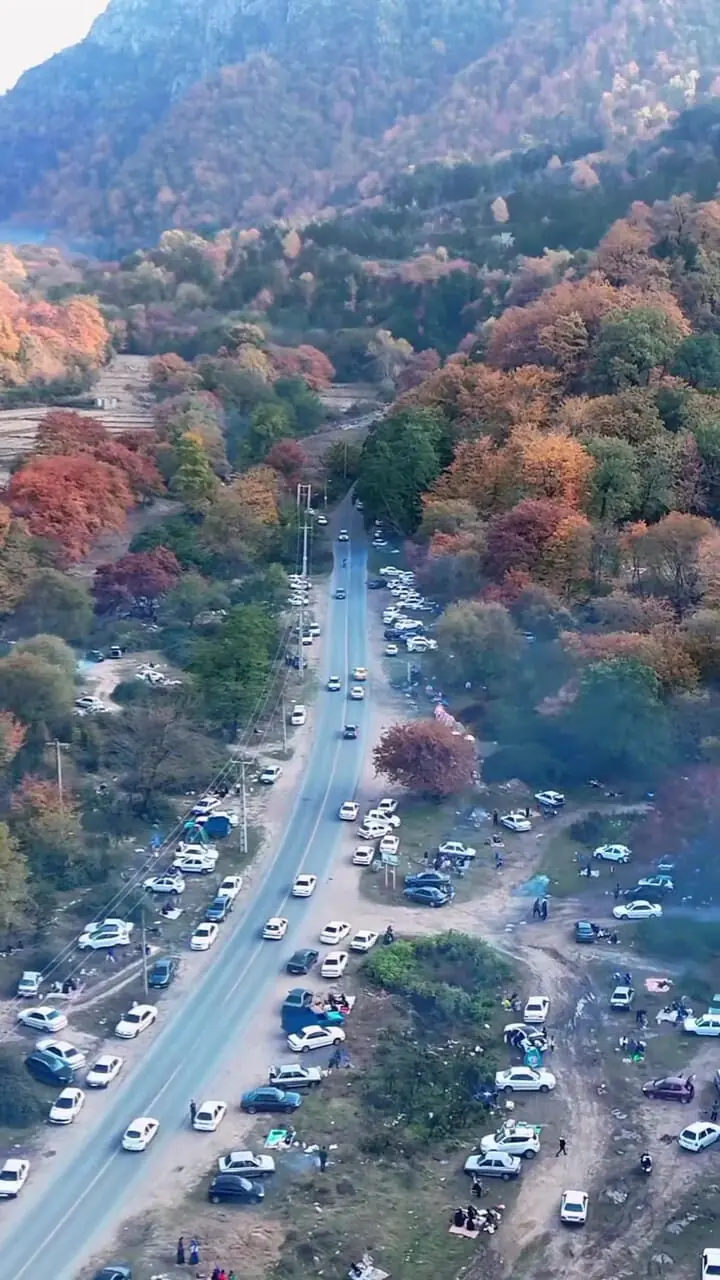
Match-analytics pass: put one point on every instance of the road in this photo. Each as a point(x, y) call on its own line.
point(90, 1189)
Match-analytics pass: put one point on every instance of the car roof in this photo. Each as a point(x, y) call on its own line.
point(576, 1195)
point(14, 1165)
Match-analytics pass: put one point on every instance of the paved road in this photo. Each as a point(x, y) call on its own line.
point(89, 1189)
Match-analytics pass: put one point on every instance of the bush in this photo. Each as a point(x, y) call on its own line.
point(693, 941)
point(600, 828)
point(449, 980)
point(22, 1104)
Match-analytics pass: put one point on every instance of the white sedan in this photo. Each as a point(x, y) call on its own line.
point(574, 1208)
point(639, 910)
point(304, 886)
point(171, 883)
point(363, 940)
point(335, 931)
point(348, 811)
point(102, 1073)
point(65, 1051)
point(208, 1115)
point(334, 684)
point(66, 1106)
point(137, 1019)
point(275, 929)
point(391, 651)
point(230, 887)
point(710, 1263)
point(536, 1010)
point(43, 1018)
point(140, 1133)
point(698, 1136)
point(363, 855)
point(550, 799)
point(13, 1176)
point(204, 936)
point(389, 844)
point(612, 853)
point(334, 964)
point(357, 693)
point(524, 1079)
point(708, 1024)
point(315, 1038)
point(456, 849)
point(516, 821)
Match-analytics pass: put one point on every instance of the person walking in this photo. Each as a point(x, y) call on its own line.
point(616, 890)
point(193, 1110)
point(536, 908)
point(562, 1148)
point(323, 1158)
point(714, 1113)
point(496, 818)
point(194, 1258)
point(551, 1044)
point(180, 1253)
point(544, 909)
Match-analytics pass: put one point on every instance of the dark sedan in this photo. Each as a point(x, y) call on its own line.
point(116, 1271)
point(267, 1099)
point(232, 1186)
point(302, 961)
point(48, 1068)
point(162, 973)
point(428, 895)
point(671, 1089)
point(438, 879)
point(350, 732)
point(341, 594)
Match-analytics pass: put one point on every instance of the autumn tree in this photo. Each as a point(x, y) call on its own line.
point(662, 650)
point(427, 757)
point(478, 400)
point(702, 641)
point(13, 880)
point(518, 539)
point(256, 491)
point(137, 581)
point(55, 603)
point(306, 362)
point(46, 826)
point(553, 466)
point(289, 459)
point(482, 473)
point(70, 500)
point(668, 553)
point(478, 644)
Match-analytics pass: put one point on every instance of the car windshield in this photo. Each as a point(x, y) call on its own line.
point(101, 1068)
point(8, 1175)
point(132, 1017)
point(134, 1133)
point(64, 1102)
point(574, 1206)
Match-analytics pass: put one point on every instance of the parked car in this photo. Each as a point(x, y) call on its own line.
point(584, 931)
point(364, 940)
point(138, 1018)
point(270, 775)
point(639, 910)
point(550, 799)
point(302, 961)
point(29, 984)
point(292, 1075)
point(209, 1115)
point(612, 853)
point(66, 1106)
point(105, 934)
point(514, 1137)
point(104, 1070)
point(456, 849)
point(622, 998)
point(218, 910)
point(516, 821)
point(63, 1049)
point(247, 1164)
point(206, 934)
point(43, 1018)
point(49, 1069)
point(334, 964)
point(230, 1186)
point(708, 1024)
point(115, 1271)
point(13, 1176)
point(429, 895)
point(698, 1136)
point(438, 879)
point(525, 1080)
point(230, 887)
point(364, 855)
point(710, 1263)
point(267, 1099)
point(671, 1089)
point(494, 1164)
point(536, 1010)
point(574, 1208)
point(314, 1037)
point(335, 931)
point(664, 883)
point(173, 882)
point(162, 973)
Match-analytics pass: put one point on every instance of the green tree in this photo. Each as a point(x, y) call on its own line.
point(629, 345)
point(618, 726)
point(614, 482)
point(231, 669)
point(193, 595)
point(697, 360)
point(268, 424)
point(57, 604)
point(36, 692)
point(157, 752)
point(193, 481)
point(52, 650)
point(22, 1104)
point(478, 644)
point(400, 460)
point(13, 880)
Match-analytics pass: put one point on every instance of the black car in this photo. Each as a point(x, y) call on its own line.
point(438, 879)
point(350, 731)
point(341, 594)
point(232, 1186)
point(266, 1098)
point(298, 998)
point(376, 584)
point(162, 973)
point(218, 910)
point(116, 1271)
point(48, 1068)
point(302, 961)
point(392, 633)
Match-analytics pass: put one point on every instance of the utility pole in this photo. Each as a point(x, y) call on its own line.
point(284, 724)
point(243, 795)
point(58, 767)
point(304, 501)
point(144, 950)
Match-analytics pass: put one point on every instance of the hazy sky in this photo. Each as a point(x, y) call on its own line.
point(35, 29)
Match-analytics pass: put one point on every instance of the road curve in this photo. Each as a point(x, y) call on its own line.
point(90, 1188)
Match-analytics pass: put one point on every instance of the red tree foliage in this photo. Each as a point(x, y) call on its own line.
point(137, 579)
point(63, 432)
point(427, 757)
point(303, 362)
point(69, 500)
point(289, 459)
point(518, 539)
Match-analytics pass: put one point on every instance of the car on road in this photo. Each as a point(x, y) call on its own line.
point(536, 1010)
point(137, 1019)
point(494, 1164)
point(664, 883)
point(638, 910)
point(104, 1070)
point(524, 1080)
point(315, 1038)
point(202, 808)
point(298, 715)
point(209, 1115)
point(108, 933)
point(360, 674)
point(162, 972)
point(48, 1069)
point(622, 998)
point(710, 1263)
point(364, 855)
point(428, 895)
point(170, 883)
point(550, 799)
point(348, 811)
point(389, 844)
point(698, 1136)
point(205, 934)
point(13, 1176)
point(231, 1187)
point(335, 931)
point(574, 1208)
point(302, 961)
point(514, 1137)
point(612, 853)
point(217, 911)
point(516, 821)
point(584, 931)
point(364, 940)
point(341, 594)
point(322, 520)
point(350, 732)
point(230, 887)
point(334, 964)
point(66, 1106)
point(65, 1051)
point(268, 1099)
point(343, 536)
point(357, 693)
point(275, 929)
point(708, 1024)
point(246, 1164)
point(270, 775)
point(456, 849)
point(195, 864)
point(291, 1075)
point(437, 879)
point(334, 684)
point(43, 1018)
point(671, 1089)
point(391, 650)
point(140, 1133)
point(304, 885)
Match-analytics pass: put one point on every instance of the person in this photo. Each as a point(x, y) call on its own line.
point(613, 939)
point(551, 1044)
point(640, 1018)
point(335, 1059)
point(389, 935)
point(627, 979)
point(323, 1157)
point(193, 1110)
point(646, 1162)
point(616, 891)
point(496, 818)
point(544, 909)
point(536, 908)
point(194, 1258)
point(562, 1148)
point(714, 1113)
point(345, 564)
point(180, 1253)
point(471, 1218)
point(215, 1273)
point(459, 1218)
point(527, 810)
point(477, 1188)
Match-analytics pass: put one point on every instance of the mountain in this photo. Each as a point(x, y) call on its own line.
point(206, 113)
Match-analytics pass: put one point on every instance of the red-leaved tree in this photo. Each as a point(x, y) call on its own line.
point(427, 757)
point(70, 500)
point(137, 581)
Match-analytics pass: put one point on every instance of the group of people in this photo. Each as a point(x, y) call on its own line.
point(193, 1260)
point(635, 1049)
point(472, 1219)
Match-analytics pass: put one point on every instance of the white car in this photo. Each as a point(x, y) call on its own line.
point(515, 1137)
point(269, 775)
point(208, 1115)
point(698, 1136)
point(335, 931)
point(334, 964)
point(165, 884)
point(205, 806)
point(383, 818)
point(43, 1018)
point(622, 998)
point(536, 1010)
point(230, 887)
point(140, 1133)
point(247, 1164)
point(65, 1051)
point(298, 715)
point(708, 1024)
point(363, 940)
point(374, 830)
point(516, 821)
point(348, 811)
point(334, 684)
point(389, 844)
point(359, 673)
point(456, 849)
point(195, 864)
point(204, 936)
point(343, 536)
point(574, 1208)
point(387, 805)
point(363, 855)
point(108, 933)
point(13, 1176)
point(550, 799)
point(275, 929)
point(612, 853)
point(102, 1073)
point(66, 1106)
point(357, 693)
point(524, 1079)
point(391, 651)
point(315, 1038)
point(304, 886)
point(710, 1262)
point(639, 910)
point(137, 1019)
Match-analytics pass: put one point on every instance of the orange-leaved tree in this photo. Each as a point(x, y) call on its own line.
point(427, 757)
point(69, 500)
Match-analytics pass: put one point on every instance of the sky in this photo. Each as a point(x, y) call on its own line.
point(36, 29)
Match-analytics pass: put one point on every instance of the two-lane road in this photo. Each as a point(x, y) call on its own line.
point(55, 1234)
